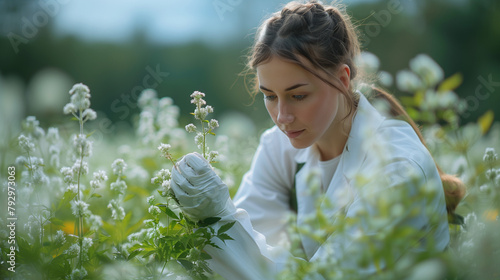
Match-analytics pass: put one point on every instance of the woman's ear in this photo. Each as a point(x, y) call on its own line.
point(344, 75)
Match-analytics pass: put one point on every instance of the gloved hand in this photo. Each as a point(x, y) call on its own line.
point(200, 192)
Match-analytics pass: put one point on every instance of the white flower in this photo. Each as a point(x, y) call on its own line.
point(154, 210)
point(368, 62)
point(79, 208)
point(164, 149)
point(95, 222)
point(21, 160)
point(385, 78)
point(80, 96)
point(408, 81)
point(53, 135)
point(82, 146)
point(68, 174)
point(209, 109)
point(429, 71)
point(59, 238)
point(190, 128)
point(73, 188)
point(69, 109)
point(73, 250)
point(198, 98)
point(212, 155)
point(118, 166)
point(117, 212)
point(78, 274)
point(165, 102)
point(198, 139)
point(89, 114)
point(25, 143)
point(80, 167)
point(99, 177)
point(151, 200)
point(149, 223)
point(200, 113)
point(119, 187)
point(147, 98)
point(490, 155)
point(213, 124)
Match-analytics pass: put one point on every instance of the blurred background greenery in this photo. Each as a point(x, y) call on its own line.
point(112, 46)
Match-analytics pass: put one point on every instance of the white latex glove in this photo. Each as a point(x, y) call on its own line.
point(201, 192)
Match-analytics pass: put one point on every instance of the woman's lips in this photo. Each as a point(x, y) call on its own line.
point(293, 133)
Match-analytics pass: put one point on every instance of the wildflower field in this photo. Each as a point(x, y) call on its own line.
point(81, 205)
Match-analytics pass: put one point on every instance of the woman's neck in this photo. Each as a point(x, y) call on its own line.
point(335, 138)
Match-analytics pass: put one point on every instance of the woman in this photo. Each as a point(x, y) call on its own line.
point(303, 58)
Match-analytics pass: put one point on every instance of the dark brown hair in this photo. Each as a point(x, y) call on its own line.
point(325, 36)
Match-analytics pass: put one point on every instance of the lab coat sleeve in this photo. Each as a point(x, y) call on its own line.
point(264, 196)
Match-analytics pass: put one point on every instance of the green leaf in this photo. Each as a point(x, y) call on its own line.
point(90, 134)
point(168, 211)
point(96, 195)
point(225, 227)
point(56, 221)
point(223, 237)
point(67, 197)
point(451, 83)
point(134, 253)
point(208, 221)
point(128, 197)
point(485, 121)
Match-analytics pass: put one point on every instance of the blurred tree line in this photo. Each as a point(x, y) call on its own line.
point(461, 35)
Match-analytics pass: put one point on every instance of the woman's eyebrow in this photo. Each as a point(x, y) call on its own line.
point(287, 89)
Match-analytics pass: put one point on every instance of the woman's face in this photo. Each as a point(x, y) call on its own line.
point(303, 106)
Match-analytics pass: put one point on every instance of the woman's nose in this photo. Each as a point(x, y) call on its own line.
point(285, 115)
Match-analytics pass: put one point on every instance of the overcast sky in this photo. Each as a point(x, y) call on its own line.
point(165, 21)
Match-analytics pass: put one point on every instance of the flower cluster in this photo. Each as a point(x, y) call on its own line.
point(158, 119)
point(79, 105)
point(200, 113)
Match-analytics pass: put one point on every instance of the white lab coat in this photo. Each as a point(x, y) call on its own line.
point(378, 146)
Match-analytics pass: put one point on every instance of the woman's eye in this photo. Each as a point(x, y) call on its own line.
point(299, 97)
point(269, 97)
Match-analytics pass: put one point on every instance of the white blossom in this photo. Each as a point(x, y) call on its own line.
point(78, 274)
point(368, 62)
point(80, 167)
point(190, 128)
point(95, 222)
point(53, 135)
point(69, 109)
point(25, 143)
point(147, 98)
point(408, 81)
point(213, 124)
point(68, 174)
point(117, 212)
point(59, 238)
point(99, 177)
point(79, 208)
point(119, 187)
point(151, 200)
point(82, 146)
point(429, 71)
point(490, 155)
point(118, 166)
point(154, 210)
point(164, 149)
point(89, 114)
point(385, 78)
